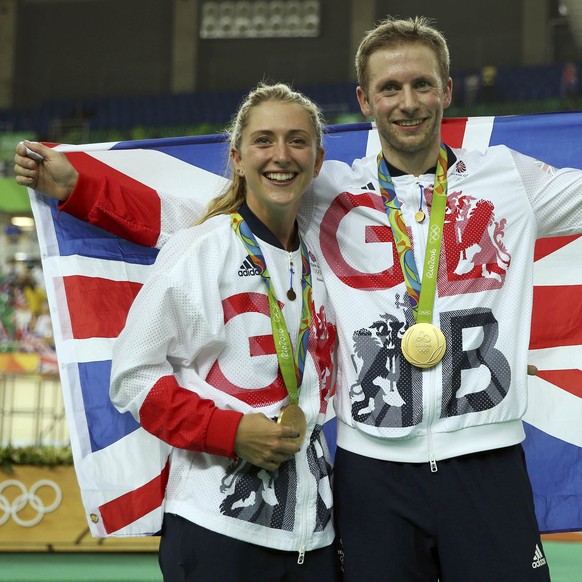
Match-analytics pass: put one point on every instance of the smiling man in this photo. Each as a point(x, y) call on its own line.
point(434, 246)
point(405, 90)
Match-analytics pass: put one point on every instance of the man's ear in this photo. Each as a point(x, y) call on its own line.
point(448, 94)
point(363, 101)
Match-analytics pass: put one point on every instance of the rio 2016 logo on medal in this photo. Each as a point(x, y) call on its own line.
point(423, 345)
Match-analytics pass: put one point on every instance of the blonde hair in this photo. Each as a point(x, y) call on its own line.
point(235, 192)
point(392, 32)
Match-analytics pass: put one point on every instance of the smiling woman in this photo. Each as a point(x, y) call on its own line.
point(278, 156)
point(250, 470)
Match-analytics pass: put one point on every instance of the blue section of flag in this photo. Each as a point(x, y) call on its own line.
point(105, 424)
point(212, 157)
point(345, 143)
point(553, 137)
point(76, 237)
point(555, 468)
point(329, 430)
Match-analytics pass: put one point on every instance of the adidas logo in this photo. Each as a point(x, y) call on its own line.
point(368, 186)
point(538, 558)
point(248, 269)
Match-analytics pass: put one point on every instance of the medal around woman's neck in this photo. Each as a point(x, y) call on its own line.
point(291, 365)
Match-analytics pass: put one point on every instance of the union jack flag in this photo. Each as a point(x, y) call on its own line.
point(93, 275)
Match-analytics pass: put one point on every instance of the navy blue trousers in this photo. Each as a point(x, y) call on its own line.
point(190, 553)
point(471, 521)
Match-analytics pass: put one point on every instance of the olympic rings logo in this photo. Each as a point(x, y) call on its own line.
point(434, 234)
point(27, 497)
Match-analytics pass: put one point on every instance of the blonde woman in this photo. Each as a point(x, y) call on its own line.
point(227, 356)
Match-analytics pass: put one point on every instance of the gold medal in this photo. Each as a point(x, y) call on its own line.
point(419, 216)
point(423, 345)
point(294, 417)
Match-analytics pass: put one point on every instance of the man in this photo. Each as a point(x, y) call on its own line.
point(430, 478)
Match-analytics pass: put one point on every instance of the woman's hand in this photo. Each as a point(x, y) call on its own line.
point(45, 170)
point(262, 442)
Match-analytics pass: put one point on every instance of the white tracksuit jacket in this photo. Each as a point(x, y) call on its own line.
point(498, 203)
point(200, 326)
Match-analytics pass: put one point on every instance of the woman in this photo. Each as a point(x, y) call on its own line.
point(227, 356)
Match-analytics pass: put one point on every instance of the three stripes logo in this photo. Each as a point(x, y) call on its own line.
point(248, 269)
point(538, 558)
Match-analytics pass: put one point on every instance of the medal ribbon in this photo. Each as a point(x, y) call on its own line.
point(291, 368)
point(421, 303)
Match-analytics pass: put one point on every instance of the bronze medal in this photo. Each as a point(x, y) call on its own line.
point(291, 295)
point(423, 345)
point(293, 416)
point(419, 216)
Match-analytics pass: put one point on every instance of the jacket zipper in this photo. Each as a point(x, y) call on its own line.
point(431, 406)
point(304, 517)
point(301, 478)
